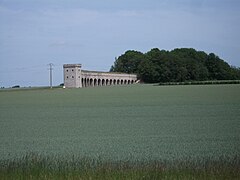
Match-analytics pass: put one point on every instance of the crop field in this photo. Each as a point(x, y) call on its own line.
point(122, 123)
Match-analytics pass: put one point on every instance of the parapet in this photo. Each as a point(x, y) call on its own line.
point(72, 65)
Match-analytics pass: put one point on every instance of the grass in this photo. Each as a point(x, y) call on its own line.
point(192, 125)
point(202, 82)
point(29, 88)
point(34, 166)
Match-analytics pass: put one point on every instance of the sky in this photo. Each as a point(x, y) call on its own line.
point(34, 33)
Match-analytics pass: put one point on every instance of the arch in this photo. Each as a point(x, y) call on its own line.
point(107, 82)
point(103, 82)
point(82, 82)
point(91, 82)
point(129, 82)
point(95, 82)
point(125, 81)
point(118, 81)
point(87, 82)
point(121, 82)
point(114, 82)
point(110, 82)
point(99, 82)
point(132, 81)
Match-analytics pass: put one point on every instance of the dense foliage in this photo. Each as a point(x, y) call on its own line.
point(178, 65)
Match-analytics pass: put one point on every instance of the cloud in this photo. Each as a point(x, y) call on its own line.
point(58, 44)
point(94, 32)
point(65, 44)
point(71, 15)
point(127, 13)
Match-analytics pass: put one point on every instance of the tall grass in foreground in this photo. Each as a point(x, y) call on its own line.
point(34, 166)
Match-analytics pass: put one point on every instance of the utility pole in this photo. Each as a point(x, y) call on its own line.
point(50, 70)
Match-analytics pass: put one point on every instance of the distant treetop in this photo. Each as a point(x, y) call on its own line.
point(178, 65)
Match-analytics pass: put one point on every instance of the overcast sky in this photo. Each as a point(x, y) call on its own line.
point(34, 33)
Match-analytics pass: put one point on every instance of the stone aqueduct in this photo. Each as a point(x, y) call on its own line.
point(75, 77)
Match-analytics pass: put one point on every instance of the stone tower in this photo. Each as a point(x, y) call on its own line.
point(72, 75)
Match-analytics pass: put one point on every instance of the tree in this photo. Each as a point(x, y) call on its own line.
point(147, 71)
point(218, 69)
point(128, 62)
point(182, 64)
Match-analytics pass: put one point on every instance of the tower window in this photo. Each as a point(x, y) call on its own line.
point(67, 70)
point(67, 77)
point(72, 76)
point(72, 70)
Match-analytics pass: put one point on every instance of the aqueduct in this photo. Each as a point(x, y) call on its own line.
point(75, 77)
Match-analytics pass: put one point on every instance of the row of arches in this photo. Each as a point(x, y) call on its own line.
point(90, 82)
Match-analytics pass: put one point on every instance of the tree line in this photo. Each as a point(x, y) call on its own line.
point(178, 65)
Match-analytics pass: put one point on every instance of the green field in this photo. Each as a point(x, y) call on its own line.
point(121, 132)
point(143, 122)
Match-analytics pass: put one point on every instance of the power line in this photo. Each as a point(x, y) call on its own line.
point(50, 71)
point(22, 69)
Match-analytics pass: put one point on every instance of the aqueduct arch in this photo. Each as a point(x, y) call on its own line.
point(75, 77)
